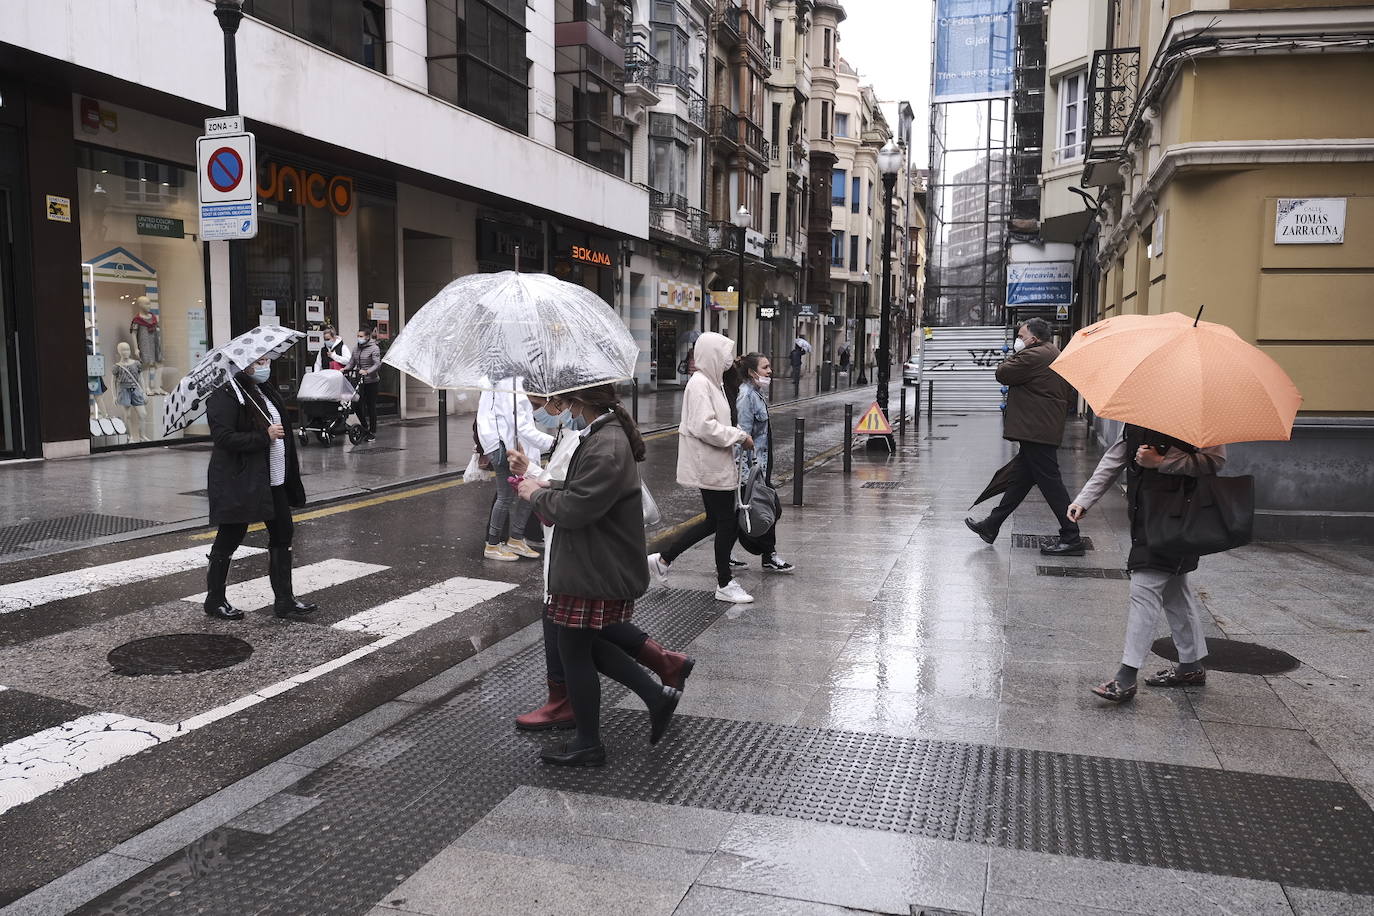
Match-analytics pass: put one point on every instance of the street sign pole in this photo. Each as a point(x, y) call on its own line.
point(230, 14)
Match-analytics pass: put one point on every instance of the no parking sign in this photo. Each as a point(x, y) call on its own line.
point(228, 186)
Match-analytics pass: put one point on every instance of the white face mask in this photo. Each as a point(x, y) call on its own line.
point(1019, 345)
point(763, 383)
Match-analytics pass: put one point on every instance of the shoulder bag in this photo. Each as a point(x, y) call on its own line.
point(758, 507)
point(1199, 515)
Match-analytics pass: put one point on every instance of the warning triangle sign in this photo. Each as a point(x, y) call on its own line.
point(873, 423)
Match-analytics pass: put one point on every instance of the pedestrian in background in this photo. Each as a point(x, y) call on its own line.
point(1159, 584)
point(334, 354)
point(555, 417)
point(706, 442)
point(1037, 406)
point(367, 362)
point(505, 420)
point(752, 378)
point(795, 358)
point(596, 569)
point(253, 477)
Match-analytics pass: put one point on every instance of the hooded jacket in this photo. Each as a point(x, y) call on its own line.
point(706, 438)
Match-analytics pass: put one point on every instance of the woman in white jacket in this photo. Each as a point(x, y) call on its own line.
point(706, 460)
point(503, 415)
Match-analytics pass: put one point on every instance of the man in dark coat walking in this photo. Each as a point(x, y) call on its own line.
point(1037, 405)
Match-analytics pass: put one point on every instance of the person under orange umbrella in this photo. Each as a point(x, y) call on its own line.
point(1184, 388)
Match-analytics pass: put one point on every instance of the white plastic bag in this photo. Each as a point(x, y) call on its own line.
point(473, 473)
point(651, 514)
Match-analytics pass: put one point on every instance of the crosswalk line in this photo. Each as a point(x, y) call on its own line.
point(256, 594)
point(46, 760)
point(412, 613)
point(32, 593)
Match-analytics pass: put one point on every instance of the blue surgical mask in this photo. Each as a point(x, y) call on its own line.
point(577, 423)
point(564, 417)
point(543, 418)
point(261, 373)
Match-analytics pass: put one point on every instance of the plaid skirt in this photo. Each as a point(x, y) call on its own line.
point(588, 613)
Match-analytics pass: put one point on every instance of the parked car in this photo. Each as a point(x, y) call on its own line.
point(911, 372)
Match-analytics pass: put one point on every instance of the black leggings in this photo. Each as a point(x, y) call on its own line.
point(627, 636)
point(584, 653)
point(280, 527)
point(720, 520)
point(367, 403)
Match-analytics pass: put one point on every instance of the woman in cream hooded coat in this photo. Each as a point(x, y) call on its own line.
point(706, 440)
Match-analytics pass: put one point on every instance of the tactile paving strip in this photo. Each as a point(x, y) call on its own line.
point(385, 811)
point(84, 527)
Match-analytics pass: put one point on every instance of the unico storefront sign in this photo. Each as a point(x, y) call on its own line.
point(291, 185)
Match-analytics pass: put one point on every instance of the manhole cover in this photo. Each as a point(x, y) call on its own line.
point(1234, 656)
point(1081, 572)
point(178, 653)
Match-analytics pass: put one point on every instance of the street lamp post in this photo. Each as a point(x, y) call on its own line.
point(861, 339)
point(741, 219)
point(230, 14)
point(889, 163)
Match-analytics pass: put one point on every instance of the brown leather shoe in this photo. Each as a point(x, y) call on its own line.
point(672, 668)
point(556, 713)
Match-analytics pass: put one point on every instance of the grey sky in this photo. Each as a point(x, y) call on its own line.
point(888, 42)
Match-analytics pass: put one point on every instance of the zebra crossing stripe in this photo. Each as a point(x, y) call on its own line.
point(32, 593)
point(256, 594)
point(37, 764)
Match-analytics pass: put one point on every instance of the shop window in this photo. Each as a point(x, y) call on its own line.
point(143, 280)
point(355, 29)
point(838, 178)
point(477, 58)
point(377, 272)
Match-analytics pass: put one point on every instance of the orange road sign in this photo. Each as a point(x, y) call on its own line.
point(873, 423)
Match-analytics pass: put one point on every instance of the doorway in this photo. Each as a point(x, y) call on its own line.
point(428, 268)
point(273, 261)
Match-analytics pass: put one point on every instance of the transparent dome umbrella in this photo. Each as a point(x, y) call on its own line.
point(483, 329)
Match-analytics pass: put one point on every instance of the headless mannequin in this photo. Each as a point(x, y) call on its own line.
point(129, 392)
point(146, 334)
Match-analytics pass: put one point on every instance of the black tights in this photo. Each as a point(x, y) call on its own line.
point(721, 521)
point(585, 652)
point(627, 636)
point(280, 528)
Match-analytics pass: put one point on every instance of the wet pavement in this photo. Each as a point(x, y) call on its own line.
point(902, 725)
point(55, 506)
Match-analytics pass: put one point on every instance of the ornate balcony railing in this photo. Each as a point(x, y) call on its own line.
point(724, 124)
point(641, 67)
point(751, 135)
point(729, 23)
point(666, 200)
point(1112, 85)
point(755, 38)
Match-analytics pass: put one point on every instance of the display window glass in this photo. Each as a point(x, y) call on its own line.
point(143, 290)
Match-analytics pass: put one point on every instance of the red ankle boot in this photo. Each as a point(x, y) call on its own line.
point(556, 713)
point(671, 667)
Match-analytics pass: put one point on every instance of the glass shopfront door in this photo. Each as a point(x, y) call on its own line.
point(274, 285)
point(10, 442)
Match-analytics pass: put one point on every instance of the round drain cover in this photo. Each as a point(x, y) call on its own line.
point(1237, 657)
point(178, 653)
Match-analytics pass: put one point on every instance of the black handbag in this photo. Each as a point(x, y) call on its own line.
point(1199, 515)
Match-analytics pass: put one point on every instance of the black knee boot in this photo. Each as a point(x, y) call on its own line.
point(279, 571)
point(216, 604)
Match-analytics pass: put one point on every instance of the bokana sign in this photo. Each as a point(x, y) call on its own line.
point(590, 256)
point(291, 185)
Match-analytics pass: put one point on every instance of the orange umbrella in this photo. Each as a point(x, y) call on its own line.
point(1194, 380)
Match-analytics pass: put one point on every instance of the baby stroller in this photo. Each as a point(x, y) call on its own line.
point(326, 398)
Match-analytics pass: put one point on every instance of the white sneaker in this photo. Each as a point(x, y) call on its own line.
point(498, 552)
point(659, 566)
point(734, 593)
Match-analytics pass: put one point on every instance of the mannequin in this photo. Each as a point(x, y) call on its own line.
point(129, 392)
point(147, 344)
point(95, 377)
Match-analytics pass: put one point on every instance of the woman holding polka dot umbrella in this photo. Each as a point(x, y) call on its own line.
point(253, 474)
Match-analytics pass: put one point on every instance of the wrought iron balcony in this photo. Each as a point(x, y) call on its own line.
point(724, 125)
point(751, 135)
point(728, 23)
point(1112, 86)
point(755, 39)
point(666, 200)
point(641, 67)
point(723, 235)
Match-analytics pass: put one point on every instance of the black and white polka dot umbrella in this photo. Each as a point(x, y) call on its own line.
point(187, 400)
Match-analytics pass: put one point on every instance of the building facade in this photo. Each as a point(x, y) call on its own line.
point(1230, 148)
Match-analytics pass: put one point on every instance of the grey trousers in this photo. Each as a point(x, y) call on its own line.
point(1153, 592)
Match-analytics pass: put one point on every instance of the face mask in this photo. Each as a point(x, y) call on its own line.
point(362, 340)
point(577, 423)
point(261, 373)
point(543, 418)
point(1019, 345)
point(763, 383)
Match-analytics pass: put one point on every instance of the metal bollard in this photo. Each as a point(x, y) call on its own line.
point(901, 416)
point(848, 436)
point(443, 426)
point(798, 459)
point(930, 401)
point(634, 400)
point(916, 414)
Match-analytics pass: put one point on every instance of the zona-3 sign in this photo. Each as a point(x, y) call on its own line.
point(1040, 283)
